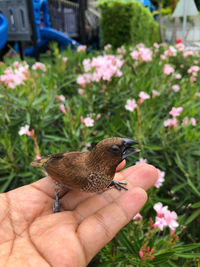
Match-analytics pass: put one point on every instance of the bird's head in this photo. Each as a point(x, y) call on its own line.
point(112, 151)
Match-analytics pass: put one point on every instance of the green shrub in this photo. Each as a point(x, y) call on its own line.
point(126, 22)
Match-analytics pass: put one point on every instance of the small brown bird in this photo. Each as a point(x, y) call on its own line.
point(88, 171)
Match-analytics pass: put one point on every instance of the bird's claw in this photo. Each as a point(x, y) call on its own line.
point(56, 205)
point(118, 185)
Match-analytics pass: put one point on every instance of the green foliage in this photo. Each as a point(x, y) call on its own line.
point(126, 22)
point(174, 150)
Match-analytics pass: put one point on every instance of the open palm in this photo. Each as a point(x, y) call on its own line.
point(31, 235)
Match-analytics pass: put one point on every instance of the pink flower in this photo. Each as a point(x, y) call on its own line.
point(171, 122)
point(131, 105)
point(64, 59)
point(143, 54)
point(167, 69)
point(180, 47)
point(138, 217)
point(193, 69)
point(107, 47)
point(197, 94)
point(156, 45)
point(15, 75)
point(141, 160)
point(81, 48)
point(24, 130)
point(176, 88)
point(141, 254)
point(165, 217)
point(161, 178)
point(162, 57)
point(177, 76)
point(61, 97)
point(185, 121)
point(188, 53)
point(89, 122)
point(160, 223)
point(98, 116)
point(80, 91)
point(155, 93)
point(160, 209)
point(171, 52)
point(176, 111)
point(143, 96)
point(62, 108)
point(39, 66)
point(193, 122)
point(170, 219)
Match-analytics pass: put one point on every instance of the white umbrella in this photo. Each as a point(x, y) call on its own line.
point(183, 9)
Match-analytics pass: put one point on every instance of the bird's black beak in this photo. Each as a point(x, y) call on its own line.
point(128, 149)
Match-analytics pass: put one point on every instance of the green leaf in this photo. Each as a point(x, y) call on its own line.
point(193, 216)
point(193, 187)
point(161, 258)
point(187, 247)
point(188, 255)
point(196, 205)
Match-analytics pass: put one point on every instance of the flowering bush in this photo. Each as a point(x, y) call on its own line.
point(149, 94)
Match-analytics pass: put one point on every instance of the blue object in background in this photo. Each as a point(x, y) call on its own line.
point(148, 4)
point(44, 31)
point(3, 31)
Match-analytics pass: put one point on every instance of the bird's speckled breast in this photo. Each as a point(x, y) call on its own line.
point(97, 182)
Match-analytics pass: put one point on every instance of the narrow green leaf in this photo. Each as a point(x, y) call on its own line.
point(193, 216)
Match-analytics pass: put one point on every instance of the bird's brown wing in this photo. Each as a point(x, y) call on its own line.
point(68, 168)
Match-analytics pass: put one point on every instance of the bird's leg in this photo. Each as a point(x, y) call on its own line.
point(118, 185)
point(56, 205)
point(60, 190)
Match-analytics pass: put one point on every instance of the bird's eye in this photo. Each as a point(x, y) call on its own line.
point(115, 149)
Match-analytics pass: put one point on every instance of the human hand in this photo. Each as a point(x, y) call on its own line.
point(31, 235)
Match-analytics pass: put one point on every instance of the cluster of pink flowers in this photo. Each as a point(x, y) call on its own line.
point(176, 88)
point(165, 217)
point(101, 68)
point(131, 104)
point(193, 70)
point(81, 48)
point(142, 54)
point(191, 121)
point(175, 112)
point(155, 93)
point(15, 75)
point(168, 69)
point(171, 52)
point(143, 96)
point(188, 53)
point(89, 121)
point(146, 253)
point(161, 178)
point(39, 66)
point(121, 50)
point(180, 47)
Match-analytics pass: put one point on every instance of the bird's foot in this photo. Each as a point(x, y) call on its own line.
point(118, 185)
point(56, 205)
